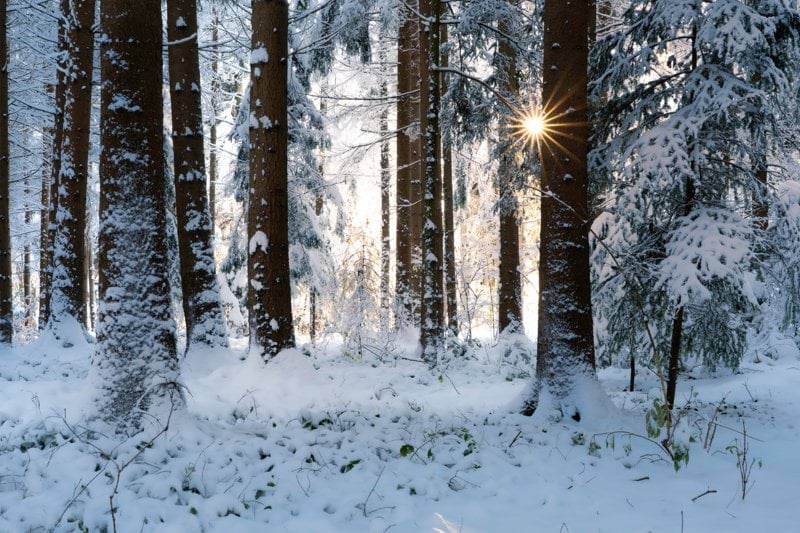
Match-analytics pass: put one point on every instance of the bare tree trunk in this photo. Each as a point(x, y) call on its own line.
point(44, 219)
point(432, 328)
point(406, 118)
point(46, 289)
point(312, 304)
point(417, 173)
point(760, 211)
point(565, 343)
point(509, 295)
point(451, 296)
point(6, 282)
point(88, 267)
point(136, 351)
point(212, 156)
point(68, 301)
point(205, 321)
point(269, 291)
point(386, 191)
point(27, 289)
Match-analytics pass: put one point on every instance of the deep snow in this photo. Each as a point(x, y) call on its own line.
point(312, 442)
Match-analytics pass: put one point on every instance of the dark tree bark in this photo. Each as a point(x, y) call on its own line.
point(407, 111)
point(136, 352)
point(417, 172)
point(205, 322)
point(6, 291)
point(46, 279)
point(212, 156)
point(44, 219)
point(447, 191)
point(27, 289)
point(269, 290)
point(509, 293)
point(68, 302)
point(565, 343)
point(432, 328)
point(89, 269)
point(386, 191)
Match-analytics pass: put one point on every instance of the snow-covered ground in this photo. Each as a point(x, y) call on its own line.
point(317, 442)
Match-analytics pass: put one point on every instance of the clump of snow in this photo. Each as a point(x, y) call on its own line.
point(259, 55)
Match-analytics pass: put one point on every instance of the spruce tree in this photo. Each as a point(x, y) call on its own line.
point(6, 290)
point(202, 310)
point(565, 346)
point(68, 300)
point(136, 359)
point(269, 290)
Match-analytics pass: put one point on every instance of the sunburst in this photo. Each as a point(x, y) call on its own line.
point(539, 127)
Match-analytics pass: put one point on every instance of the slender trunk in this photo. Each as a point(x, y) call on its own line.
point(632, 385)
point(565, 343)
point(674, 357)
point(88, 266)
point(269, 290)
point(212, 156)
point(312, 304)
point(136, 358)
point(386, 186)
point(27, 289)
point(405, 120)
point(46, 290)
point(760, 211)
point(673, 366)
point(68, 301)
point(205, 321)
point(761, 207)
point(447, 191)
point(419, 108)
point(44, 220)
point(509, 295)
point(6, 290)
point(432, 327)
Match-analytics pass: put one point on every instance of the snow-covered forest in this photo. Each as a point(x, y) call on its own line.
point(399, 266)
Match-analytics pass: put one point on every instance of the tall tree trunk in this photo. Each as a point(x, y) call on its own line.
point(6, 282)
point(269, 290)
point(447, 191)
point(432, 328)
point(386, 191)
point(565, 343)
point(136, 350)
point(417, 173)
point(44, 219)
point(27, 289)
point(212, 156)
point(405, 165)
point(205, 321)
point(509, 294)
point(46, 284)
point(68, 303)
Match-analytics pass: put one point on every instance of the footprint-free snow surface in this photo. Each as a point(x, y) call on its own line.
point(317, 442)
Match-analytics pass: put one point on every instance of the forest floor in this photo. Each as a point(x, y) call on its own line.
point(319, 442)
